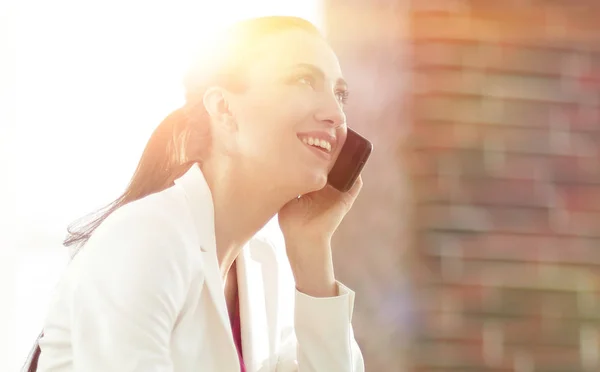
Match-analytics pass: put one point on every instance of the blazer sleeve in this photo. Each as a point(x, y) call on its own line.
point(322, 338)
point(131, 284)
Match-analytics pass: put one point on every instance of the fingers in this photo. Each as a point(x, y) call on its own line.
point(355, 189)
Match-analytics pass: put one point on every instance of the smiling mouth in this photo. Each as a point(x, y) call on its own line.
point(316, 143)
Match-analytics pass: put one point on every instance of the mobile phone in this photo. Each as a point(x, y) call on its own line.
point(350, 162)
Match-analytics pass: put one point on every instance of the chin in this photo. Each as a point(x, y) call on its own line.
point(315, 182)
point(303, 180)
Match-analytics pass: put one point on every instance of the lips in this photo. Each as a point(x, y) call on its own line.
point(321, 141)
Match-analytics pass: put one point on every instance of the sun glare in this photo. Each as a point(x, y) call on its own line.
point(94, 79)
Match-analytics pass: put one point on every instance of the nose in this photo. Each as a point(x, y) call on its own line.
point(331, 113)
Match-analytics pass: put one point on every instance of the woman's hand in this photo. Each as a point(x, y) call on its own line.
point(308, 224)
point(316, 216)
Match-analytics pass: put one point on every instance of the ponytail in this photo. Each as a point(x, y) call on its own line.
point(178, 142)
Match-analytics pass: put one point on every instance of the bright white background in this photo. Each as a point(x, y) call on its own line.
point(93, 79)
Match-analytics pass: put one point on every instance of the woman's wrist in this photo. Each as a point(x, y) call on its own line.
point(312, 266)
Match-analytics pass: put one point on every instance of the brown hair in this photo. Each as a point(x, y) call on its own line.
point(183, 136)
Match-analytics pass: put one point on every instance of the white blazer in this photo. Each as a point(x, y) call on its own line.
point(145, 294)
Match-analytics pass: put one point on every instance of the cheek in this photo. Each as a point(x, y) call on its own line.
point(342, 134)
point(280, 121)
point(265, 134)
point(271, 120)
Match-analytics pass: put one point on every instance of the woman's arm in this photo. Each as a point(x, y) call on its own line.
point(323, 308)
point(316, 332)
point(322, 339)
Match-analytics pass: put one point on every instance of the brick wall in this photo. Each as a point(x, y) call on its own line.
point(504, 155)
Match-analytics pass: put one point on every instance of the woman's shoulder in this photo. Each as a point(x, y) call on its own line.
point(155, 226)
point(166, 207)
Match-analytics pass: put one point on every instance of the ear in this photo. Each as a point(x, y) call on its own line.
point(217, 105)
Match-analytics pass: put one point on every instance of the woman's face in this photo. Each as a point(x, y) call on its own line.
point(290, 120)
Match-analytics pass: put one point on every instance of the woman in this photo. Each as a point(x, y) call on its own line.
point(172, 276)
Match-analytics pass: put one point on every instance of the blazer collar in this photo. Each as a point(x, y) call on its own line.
point(201, 204)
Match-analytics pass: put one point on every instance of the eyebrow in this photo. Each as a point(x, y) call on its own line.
point(317, 71)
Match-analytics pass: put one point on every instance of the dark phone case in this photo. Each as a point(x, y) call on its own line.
point(350, 162)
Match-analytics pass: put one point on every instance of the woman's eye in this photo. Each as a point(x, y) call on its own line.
point(307, 80)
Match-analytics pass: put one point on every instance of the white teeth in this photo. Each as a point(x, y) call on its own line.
point(317, 142)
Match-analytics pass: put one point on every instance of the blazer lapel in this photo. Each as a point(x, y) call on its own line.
point(253, 314)
point(201, 206)
point(214, 283)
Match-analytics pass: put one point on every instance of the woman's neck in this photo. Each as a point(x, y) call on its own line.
point(243, 204)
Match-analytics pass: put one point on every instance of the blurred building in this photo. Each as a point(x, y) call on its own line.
point(475, 245)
